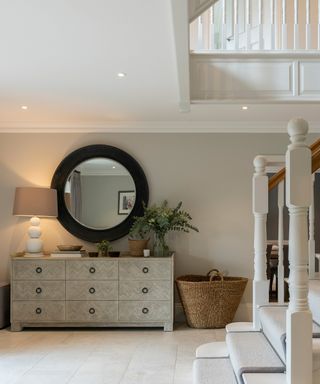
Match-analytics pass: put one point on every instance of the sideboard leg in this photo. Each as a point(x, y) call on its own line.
point(168, 327)
point(16, 327)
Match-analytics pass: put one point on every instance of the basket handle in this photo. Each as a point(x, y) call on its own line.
point(215, 272)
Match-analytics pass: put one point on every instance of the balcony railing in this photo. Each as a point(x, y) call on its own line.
point(258, 25)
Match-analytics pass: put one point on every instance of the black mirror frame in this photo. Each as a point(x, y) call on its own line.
point(85, 153)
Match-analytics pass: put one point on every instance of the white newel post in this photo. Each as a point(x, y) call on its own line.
point(312, 243)
point(260, 210)
point(280, 243)
point(298, 199)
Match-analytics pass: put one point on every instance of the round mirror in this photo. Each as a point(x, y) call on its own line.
point(100, 189)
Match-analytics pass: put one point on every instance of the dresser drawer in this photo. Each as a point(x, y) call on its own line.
point(92, 290)
point(91, 311)
point(144, 311)
point(38, 290)
point(38, 311)
point(133, 269)
point(27, 269)
point(145, 290)
point(103, 269)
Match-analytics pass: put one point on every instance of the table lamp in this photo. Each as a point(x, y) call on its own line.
point(35, 202)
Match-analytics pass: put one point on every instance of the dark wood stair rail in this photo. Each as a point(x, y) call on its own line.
point(278, 177)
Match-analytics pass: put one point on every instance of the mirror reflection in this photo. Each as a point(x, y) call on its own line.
point(99, 193)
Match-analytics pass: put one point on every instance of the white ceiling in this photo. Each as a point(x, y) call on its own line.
point(61, 59)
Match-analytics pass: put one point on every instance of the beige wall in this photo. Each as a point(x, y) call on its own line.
point(210, 173)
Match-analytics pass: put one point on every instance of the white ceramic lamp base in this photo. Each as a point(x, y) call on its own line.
point(34, 243)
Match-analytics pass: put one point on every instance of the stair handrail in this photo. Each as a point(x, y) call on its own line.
point(279, 176)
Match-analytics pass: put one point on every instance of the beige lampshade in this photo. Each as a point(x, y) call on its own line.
point(32, 201)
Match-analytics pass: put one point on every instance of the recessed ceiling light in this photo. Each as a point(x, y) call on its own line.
point(113, 167)
point(122, 74)
point(244, 107)
point(24, 107)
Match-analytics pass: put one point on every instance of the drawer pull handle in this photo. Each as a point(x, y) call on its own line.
point(145, 269)
point(38, 311)
point(92, 270)
point(92, 290)
point(92, 311)
point(145, 310)
point(38, 290)
point(145, 290)
point(38, 269)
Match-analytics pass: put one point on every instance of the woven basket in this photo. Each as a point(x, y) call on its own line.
point(210, 301)
point(136, 247)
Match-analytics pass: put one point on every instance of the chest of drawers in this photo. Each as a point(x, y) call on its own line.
point(128, 291)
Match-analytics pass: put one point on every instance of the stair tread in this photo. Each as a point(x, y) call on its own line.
point(273, 321)
point(240, 327)
point(215, 349)
point(207, 370)
point(314, 299)
point(250, 352)
point(264, 378)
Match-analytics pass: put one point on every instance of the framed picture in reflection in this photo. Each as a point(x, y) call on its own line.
point(126, 200)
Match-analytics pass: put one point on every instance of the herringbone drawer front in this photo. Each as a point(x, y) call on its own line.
point(85, 291)
point(92, 270)
point(38, 311)
point(38, 290)
point(141, 311)
point(145, 269)
point(91, 311)
point(145, 290)
point(26, 269)
point(92, 290)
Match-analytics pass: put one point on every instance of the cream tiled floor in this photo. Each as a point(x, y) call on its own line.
point(101, 356)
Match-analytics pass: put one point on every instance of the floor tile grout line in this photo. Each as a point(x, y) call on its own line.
point(124, 372)
point(75, 372)
point(28, 370)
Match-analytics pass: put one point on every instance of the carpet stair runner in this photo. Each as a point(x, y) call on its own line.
point(249, 357)
point(273, 322)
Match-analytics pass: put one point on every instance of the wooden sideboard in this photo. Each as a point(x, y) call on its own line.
point(92, 292)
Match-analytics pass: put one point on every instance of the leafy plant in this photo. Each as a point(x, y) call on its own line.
point(104, 246)
point(140, 229)
point(161, 220)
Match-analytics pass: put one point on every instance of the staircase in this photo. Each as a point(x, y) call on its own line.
point(282, 344)
point(254, 357)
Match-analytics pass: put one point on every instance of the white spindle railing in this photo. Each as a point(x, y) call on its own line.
point(236, 25)
point(298, 200)
point(318, 24)
point(248, 24)
point(312, 245)
point(295, 25)
point(280, 243)
point(260, 210)
point(308, 25)
point(284, 27)
point(224, 25)
point(272, 25)
point(274, 20)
